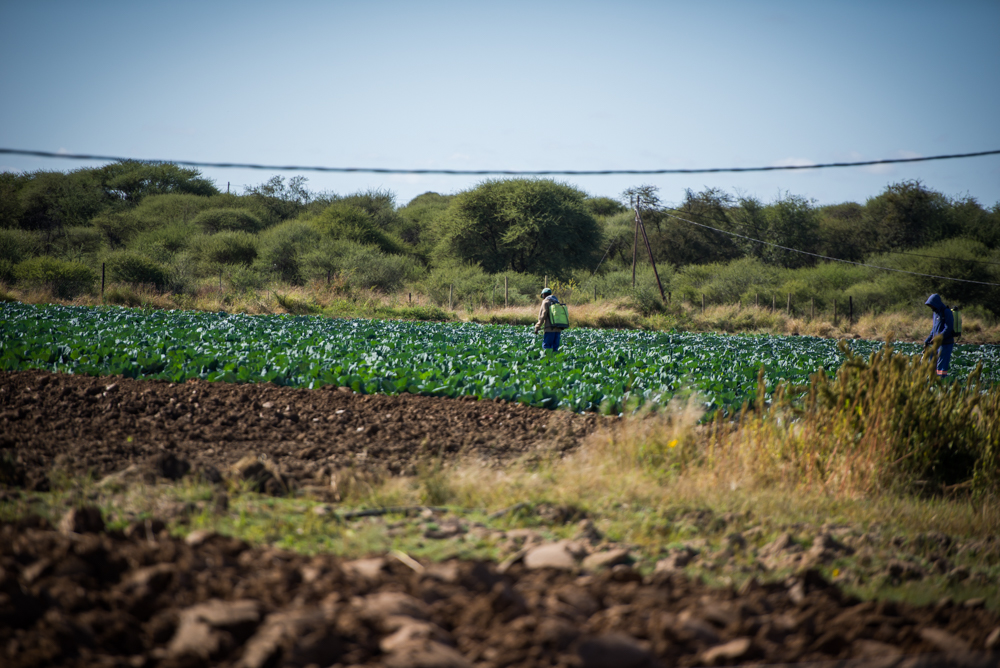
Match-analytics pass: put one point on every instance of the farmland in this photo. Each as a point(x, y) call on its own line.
point(236, 489)
point(596, 370)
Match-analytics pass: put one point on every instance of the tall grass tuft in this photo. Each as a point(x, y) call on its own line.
point(882, 424)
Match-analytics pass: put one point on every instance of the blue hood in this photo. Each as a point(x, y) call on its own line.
point(935, 302)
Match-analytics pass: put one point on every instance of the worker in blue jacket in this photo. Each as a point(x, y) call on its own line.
point(944, 325)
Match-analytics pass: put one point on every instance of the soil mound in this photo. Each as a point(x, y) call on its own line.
point(82, 424)
point(138, 599)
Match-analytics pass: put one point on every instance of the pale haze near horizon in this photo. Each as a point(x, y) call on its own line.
point(515, 86)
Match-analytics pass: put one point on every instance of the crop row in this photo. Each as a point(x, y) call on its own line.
point(595, 369)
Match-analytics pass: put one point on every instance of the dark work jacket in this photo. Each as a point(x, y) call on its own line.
point(944, 321)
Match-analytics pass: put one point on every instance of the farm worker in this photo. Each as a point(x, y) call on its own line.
point(943, 325)
point(550, 339)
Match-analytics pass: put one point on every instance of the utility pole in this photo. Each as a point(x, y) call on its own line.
point(635, 240)
point(649, 249)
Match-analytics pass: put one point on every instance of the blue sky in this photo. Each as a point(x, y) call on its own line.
point(514, 85)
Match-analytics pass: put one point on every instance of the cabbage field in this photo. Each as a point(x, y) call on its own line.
point(607, 370)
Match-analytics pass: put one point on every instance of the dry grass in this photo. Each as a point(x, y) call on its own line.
point(339, 300)
point(637, 470)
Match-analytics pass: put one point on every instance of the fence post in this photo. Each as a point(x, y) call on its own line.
point(703, 303)
point(850, 317)
point(834, 312)
point(773, 302)
point(668, 297)
point(546, 281)
point(451, 292)
point(788, 309)
point(409, 297)
point(812, 308)
point(220, 281)
point(102, 281)
point(756, 302)
point(505, 291)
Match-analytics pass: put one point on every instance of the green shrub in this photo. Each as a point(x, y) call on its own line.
point(118, 227)
point(159, 210)
point(233, 220)
point(77, 242)
point(363, 266)
point(18, 245)
point(228, 248)
point(7, 271)
point(471, 286)
point(130, 267)
point(342, 220)
point(66, 278)
point(281, 249)
point(243, 278)
point(163, 243)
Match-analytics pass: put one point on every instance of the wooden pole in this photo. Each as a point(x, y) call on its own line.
point(756, 301)
point(649, 249)
point(595, 294)
point(220, 280)
point(788, 309)
point(703, 303)
point(773, 303)
point(635, 246)
point(409, 297)
point(834, 312)
point(102, 280)
point(451, 292)
point(812, 308)
point(850, 317)
point(505, 291)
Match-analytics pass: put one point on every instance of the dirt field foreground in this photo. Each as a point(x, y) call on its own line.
point(84, 594)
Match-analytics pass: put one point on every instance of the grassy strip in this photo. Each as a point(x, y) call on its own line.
point(651, 520)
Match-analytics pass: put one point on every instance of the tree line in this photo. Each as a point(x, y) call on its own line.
point(169, 227)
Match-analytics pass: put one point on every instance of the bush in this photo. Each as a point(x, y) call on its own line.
point(232, 220)
point(77, 242)
point(281, 249)
point(130, 267)
point(364, 266)
point(163, 243)
point(18, 245)
point(7, 272)
point(66, 278)
point(228, 248)
point(118, 227)
point(342, 220)
point(159, 210)
point(524, 225)
point(474, 287)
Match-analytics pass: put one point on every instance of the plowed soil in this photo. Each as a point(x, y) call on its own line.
point(81, 595)
point(82, 424)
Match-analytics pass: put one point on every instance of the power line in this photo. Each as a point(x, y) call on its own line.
point(481, 172)
point(825, 257)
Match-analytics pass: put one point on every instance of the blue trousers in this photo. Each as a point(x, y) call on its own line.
point(550, 341)
point(944, 357)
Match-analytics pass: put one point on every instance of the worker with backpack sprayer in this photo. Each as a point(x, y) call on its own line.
point(948, 325)
point(553, 318)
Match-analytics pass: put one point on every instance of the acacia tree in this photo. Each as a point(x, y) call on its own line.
point(535, 226)
point(908, 215)
point(128, 181)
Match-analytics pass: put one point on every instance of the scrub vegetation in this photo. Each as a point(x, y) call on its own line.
point(166, 237)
